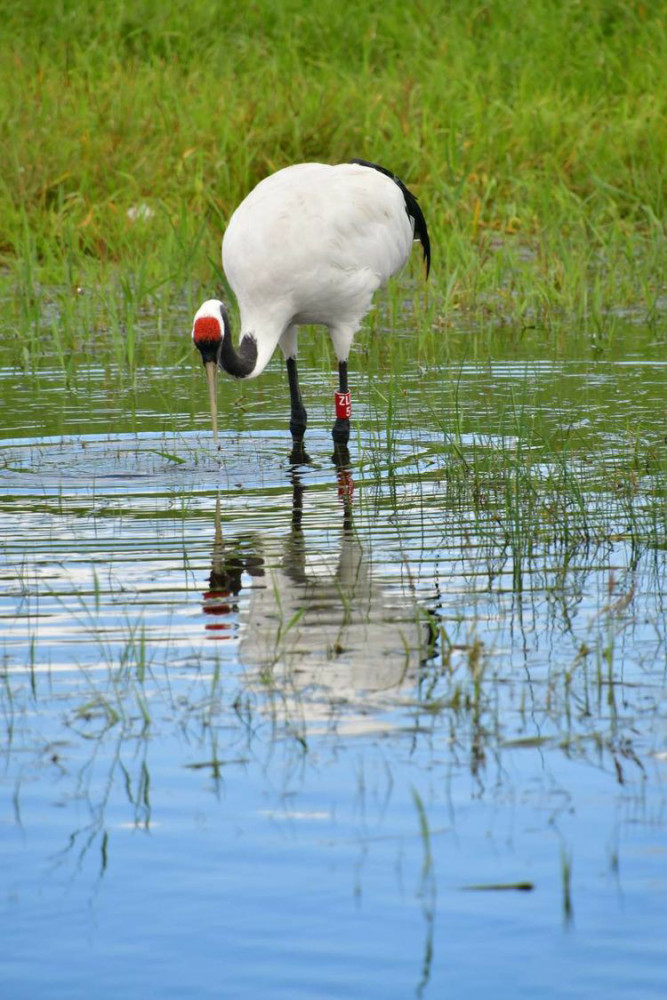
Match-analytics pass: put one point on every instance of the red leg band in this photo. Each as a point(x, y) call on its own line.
point(345, 485)
point(343, 405)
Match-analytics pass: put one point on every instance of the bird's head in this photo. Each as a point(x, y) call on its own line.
point(209, 328)
point(208, 331)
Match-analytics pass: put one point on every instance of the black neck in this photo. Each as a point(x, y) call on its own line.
point(239, 363)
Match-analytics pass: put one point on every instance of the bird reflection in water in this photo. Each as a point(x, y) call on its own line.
point(312, 622)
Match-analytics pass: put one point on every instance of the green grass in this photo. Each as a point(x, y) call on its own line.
point(534, 136)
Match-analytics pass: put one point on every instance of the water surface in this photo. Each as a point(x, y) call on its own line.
point(391, 729)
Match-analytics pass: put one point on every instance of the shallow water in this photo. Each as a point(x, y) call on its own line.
point(392, 729)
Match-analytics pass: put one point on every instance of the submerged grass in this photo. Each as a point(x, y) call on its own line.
point(535, 139)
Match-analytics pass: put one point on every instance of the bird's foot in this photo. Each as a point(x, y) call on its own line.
point(297, 424)
point(341, 456)
point(341, 431)
point(298, 454)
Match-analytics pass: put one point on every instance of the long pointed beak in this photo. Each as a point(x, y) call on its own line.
point(212, 379)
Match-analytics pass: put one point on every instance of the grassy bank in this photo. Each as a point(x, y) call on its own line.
point(534, 136)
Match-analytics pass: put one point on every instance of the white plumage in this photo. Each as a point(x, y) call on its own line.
point(310, 244)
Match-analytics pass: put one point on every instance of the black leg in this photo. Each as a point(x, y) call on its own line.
point(341, 429)
point(298, 415)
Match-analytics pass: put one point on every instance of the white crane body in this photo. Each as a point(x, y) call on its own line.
point(311, 244)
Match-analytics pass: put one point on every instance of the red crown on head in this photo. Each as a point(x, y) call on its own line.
point(207, 330)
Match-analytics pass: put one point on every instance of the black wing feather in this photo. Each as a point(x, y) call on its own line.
point(411, 207)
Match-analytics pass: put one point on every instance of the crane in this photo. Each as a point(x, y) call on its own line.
point(311, 243)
